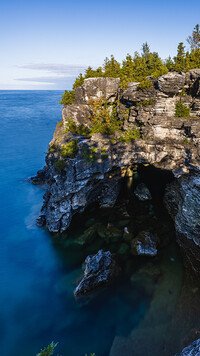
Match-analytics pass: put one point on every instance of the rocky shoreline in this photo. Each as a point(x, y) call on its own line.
point(169, 143)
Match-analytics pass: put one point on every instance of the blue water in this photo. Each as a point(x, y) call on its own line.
point(37, 276)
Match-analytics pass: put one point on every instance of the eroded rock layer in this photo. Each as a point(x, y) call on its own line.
point(164, 141)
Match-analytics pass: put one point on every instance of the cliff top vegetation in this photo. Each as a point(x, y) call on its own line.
point(142, 65)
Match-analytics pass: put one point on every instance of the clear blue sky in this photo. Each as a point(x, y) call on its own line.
point(45, 44)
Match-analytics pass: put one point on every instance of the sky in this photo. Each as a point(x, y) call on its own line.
point(46, 44)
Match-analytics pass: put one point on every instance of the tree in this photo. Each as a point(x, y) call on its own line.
point(194, 39)
point(145, 50)
point(180, 59)
point(112, 67)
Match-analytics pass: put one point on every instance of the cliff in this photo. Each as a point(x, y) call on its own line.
point(95, 168)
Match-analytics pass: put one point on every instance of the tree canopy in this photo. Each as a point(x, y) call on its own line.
point(143, 66)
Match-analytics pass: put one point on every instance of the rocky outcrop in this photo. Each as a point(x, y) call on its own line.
point(99, 270)
point(167, 142)
point(192, 350)
point(182, 199)
point(171, 83)
point(145, 244)
point(142, 192)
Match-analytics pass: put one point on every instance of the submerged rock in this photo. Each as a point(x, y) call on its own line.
point(99, 270)
point(192, 350)
point(142, 192)
point(146, 278)
point(145, 244)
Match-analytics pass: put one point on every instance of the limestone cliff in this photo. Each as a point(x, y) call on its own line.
point(166, 141)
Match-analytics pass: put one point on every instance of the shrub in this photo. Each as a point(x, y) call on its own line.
point(60, 164)
point(73, 128)
point(104, 117)
point(90, 154)
point(67, 98)
point(145, 102)
point(182, 110)
point(69, 150)
point(52, 148)
point(145, 84)
point(104, 154)
point(130, 135)
point(49, 350)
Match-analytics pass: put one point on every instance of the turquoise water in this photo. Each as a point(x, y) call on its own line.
point(37, 275)
point(39, 271)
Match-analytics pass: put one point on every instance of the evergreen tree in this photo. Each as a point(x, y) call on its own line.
point(194, 40)
point(170, 64)
point(112, 67)
point(180, 59)
point(145, 50)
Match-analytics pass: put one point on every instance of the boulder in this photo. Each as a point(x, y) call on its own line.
point(40, 178)
point(99, 270)
point(142, 192)
point(192, 350)
point(132, 93)
point(171, 83)
point(95, 88)
point(145, 244)
point(79, 113)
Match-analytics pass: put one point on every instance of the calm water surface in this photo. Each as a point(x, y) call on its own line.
point(38, 271)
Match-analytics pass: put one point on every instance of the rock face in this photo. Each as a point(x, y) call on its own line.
point(142, 192)
point(171, 83)
point(166, 142)
point(99, 270)
point(182, 199)
point(145, 244)
point(192, 350)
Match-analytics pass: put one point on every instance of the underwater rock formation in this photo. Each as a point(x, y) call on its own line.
point(99, 270)
point(145, 244)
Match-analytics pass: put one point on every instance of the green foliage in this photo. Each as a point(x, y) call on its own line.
point(52, 148)
point(145, 102)
point(144, 84)
point(182, 110)
point(73, 128)
point(104, 154)
point(111, 67)
point(49, 350)
point(184, 61)
point(69, 150)
point(130, 135)
point(60, 164)
point(170, 64)
point(140, 66)
point(194, 39)
point(60, 123)
point(180, 62)
point(104, 117)
point(67, 98)
point(79, 81)
point(90, 154)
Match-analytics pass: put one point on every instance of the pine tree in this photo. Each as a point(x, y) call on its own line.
point(145, 50)
point(180, 59)
point(194, 40)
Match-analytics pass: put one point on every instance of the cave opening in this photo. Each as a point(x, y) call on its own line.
point(148, 287)
point(150, 214)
